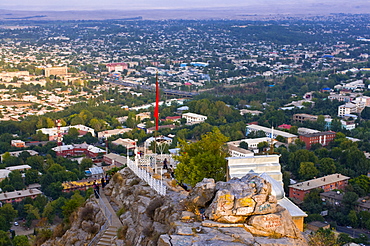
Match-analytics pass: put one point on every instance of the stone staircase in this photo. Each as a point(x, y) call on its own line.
point(109, 236)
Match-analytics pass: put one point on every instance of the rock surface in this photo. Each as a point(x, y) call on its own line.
point(238, 212)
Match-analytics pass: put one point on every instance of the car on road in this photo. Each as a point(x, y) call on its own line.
point(16, 223)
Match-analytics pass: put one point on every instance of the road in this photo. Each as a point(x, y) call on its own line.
point(151, 88)
point(355, 233)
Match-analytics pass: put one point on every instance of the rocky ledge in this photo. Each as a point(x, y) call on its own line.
point(238, 212)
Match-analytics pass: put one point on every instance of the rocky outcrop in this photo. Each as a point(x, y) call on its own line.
point(238, 212)
point(86, 223)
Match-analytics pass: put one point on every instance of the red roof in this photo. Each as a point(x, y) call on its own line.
point(116, 64)
point(285, 126)
point(173, 117)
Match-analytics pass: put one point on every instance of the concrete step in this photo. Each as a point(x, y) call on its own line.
point(104, 244)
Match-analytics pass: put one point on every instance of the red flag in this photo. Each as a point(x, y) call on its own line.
point(156, 110)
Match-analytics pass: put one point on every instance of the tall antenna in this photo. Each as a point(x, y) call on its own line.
point(59, 137)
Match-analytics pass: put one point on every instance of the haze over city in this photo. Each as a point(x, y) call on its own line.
point(45, 5)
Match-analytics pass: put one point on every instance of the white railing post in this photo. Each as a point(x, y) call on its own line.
point(155, 184)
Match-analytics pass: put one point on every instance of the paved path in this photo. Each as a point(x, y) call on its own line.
point(115, 219)
point(110, 234)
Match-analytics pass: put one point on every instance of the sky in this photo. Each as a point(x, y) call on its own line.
point(151, 4)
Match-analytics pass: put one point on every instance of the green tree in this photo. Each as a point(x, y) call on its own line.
point(243, 145)
point(72, 205)
point(262, 145)
point(307, 170)
point(33, 213)
point(352, 217)
point(349, 200)
point(16, 180)
point(365, 114)
point(86, 163)
point(4, 239)
point(31, 176)
point(327, 166)
point(202, 159)
point(21, 240)
point(9, 213)
point(361, 182)
point(312, 202)
point(36, 162)
point(323, 237)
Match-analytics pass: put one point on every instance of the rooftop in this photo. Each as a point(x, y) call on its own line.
point(317, 134)
point(317, 183)
point(19, 194)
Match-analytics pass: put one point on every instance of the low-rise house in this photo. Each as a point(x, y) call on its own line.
point(19, 195)
point(78, 150)
point(83, 184)
point(192, 118)
point(152, 129)
point(252, 112)
point(330, 182)
point(53, 132)
point(114, 160)
point(126, 142)
point(271, 133)
point(335, 198)
point(143, 116)
point(18, 143)
point(108, 133)
point(317, 225)
point(304, 117)
point(252, 143)
point(17, 153)
point(4, 173)
point(341, 98)
point(173, 118)
point(235, 151)
point(348, 108)
point(323, 138)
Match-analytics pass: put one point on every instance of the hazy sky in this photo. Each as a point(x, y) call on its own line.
point(150, 4)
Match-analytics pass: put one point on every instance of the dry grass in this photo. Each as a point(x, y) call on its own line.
point(121, 232)
point(87, 213)
point(117, 178)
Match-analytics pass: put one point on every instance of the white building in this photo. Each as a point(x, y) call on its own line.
point(358, 84)
point(192, 118)
point(235, 151)
point(347, 108)
point(271, 133)
point(53, 132)
point(269, 164)
point(252, 144)
point(109, 133)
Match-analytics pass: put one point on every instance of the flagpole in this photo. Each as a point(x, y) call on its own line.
point(156, 116)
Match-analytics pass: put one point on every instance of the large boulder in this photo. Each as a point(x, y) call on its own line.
point(202, 193)
point(238, 199)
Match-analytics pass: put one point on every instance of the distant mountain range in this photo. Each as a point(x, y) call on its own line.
point(262, 9)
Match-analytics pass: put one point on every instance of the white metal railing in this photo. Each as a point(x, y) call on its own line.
point(156, 184)
point(155, 160)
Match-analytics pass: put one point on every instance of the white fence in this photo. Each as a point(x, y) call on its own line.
point(156, 184)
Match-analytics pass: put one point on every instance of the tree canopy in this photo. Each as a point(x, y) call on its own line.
point(202, 159)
